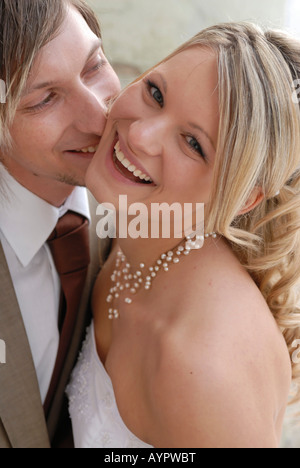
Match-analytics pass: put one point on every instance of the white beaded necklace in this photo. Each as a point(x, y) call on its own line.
point(123, 280)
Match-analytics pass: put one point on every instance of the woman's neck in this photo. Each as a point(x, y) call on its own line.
point(146, 251)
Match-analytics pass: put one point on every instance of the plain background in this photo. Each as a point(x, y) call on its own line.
point(139, 33)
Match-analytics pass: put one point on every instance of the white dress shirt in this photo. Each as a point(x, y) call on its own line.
point(26, 221)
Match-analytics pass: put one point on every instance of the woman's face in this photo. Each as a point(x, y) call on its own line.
point(160, 139)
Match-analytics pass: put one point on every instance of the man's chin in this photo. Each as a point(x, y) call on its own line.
point(72, 180)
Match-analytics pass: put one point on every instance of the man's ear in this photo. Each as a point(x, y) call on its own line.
point(253, 201)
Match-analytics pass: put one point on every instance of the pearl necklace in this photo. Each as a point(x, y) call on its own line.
point(123, 280)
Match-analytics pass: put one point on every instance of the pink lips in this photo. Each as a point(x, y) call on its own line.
point(115, 172)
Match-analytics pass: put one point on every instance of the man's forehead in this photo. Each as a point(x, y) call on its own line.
point(72, 47)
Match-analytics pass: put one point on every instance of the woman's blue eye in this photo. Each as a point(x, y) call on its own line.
point(155, 93)
point(195, 145)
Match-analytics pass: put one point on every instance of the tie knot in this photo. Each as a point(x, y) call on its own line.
point(69, 243)
point(67, 224)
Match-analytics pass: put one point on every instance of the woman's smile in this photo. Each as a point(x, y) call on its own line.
point(128, 169)
point(125, 167)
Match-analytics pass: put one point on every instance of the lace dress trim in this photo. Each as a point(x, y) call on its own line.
point(93, 408)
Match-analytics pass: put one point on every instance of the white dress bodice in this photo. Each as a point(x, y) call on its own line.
point(96, 420)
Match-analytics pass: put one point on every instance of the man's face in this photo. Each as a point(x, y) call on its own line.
point(62, 112)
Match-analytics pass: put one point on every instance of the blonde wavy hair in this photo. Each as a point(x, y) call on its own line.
point(259, 147)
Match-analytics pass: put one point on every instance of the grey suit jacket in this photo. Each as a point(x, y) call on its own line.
point(22, 420)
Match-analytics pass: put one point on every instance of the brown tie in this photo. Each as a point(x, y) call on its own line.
point(69, 245)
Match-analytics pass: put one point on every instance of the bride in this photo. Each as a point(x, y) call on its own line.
point(192, 347)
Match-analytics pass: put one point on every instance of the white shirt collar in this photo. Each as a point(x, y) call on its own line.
point(27, 221)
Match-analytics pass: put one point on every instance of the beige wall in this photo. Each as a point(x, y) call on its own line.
point(138, 33)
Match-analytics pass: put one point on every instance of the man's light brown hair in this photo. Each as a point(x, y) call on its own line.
point(25, 27)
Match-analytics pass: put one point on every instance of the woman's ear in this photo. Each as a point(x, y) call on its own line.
point(253, 201)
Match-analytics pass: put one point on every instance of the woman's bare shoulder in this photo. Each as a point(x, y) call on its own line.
point(218, 388)
point(217, 289)
point(224, 368)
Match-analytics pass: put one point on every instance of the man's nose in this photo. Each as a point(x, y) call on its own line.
point(90, 112)
point(147, 136)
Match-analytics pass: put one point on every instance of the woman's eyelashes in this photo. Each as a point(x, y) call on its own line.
point(155, 93)
point(195, 146)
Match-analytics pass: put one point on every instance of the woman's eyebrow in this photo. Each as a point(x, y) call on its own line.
point(163, 80)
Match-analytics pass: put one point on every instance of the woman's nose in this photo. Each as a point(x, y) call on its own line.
point(147, 136)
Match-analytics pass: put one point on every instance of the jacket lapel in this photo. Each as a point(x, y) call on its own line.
point(21, 411)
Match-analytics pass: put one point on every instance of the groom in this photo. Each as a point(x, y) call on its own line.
point(58, 84)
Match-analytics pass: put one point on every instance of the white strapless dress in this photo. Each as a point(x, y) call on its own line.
point(96, 420)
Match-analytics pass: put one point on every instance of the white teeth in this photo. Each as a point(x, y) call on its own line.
point(129, 166)
point(126, 163)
